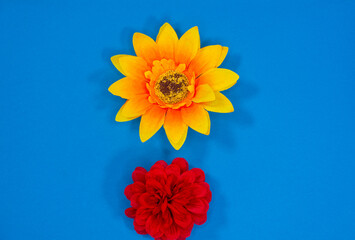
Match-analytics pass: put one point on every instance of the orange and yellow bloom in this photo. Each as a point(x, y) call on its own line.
point(172, 82)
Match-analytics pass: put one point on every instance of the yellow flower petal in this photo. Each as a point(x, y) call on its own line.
point(204, 93)
point(145, 47)
point(221, 104)
point(207, 58)
point(223, 56)
point(181, 142)
point(133, 108)
point(166, 41)
point(116, 62)
point(175, 128)
point(197, 118)
point(121, 118)
point(128, 88)
point(219, 78)
point(151, 122)
point(133, 67)
point(187, 46)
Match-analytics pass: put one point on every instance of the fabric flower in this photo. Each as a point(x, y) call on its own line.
point(171, 83)
point(168, 200)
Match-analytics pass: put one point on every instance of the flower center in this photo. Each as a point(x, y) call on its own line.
point(171, 87)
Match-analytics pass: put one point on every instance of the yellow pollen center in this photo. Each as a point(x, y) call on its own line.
point(171, 87)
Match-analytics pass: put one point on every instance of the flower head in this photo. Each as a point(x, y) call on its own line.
point(168, 200)
point(172, 83)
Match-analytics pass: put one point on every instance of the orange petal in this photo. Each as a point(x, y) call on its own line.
point(151, 122)
point(175, 128)
point(204, 93)
point(207, 58)
point(223, 56)
point(133, 108)
point(133, 67)
point(166, 41)
point(221, 104)
point(187, 46)
point(145, 47)
point(219, 78)
point(197, 118)
point(128, 88)
point(116, 63)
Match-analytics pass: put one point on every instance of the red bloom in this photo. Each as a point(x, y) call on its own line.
point(168, 200)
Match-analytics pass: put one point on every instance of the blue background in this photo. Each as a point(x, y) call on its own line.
point(280, 167)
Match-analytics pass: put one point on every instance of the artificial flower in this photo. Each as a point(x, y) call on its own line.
point(172, 83)
point(168, 200)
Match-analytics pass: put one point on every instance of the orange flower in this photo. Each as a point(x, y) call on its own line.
point(171, 83)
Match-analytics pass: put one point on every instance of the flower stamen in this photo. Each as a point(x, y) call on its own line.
point(172, 87)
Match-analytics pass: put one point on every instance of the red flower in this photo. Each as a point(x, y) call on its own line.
point(168, 200)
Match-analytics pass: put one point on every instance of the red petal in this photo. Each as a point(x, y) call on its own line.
point(173, 173)
point(173, 169)
point(140, 229)
point(182, 198)
point(162, 238)
point(153, 226)
point(134, 200)
point(200, 219)
point(197, 206)
point(139, 174)
point(142, 215)
point(157, 174)
point(183, 194)
point(186, 232)
point(161, 164)
point(130, 212)
point(199, 175)
point(148, 200)
point(138, 187)
point(134, 188)
point(182, 163)
point(128, 192)
point(208, 196)
point(181, 216)
point(199, 190)
point(172, 232)
point(153, 186)
point(167, 219)
point(187, 178)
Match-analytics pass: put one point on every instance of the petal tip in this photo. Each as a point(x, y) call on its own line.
point(237, 77)
point(143, 140)
point(176, 147)
point(137, 35)
point(223, 55)
point(142, 137)
point(230, 109)
point(120, 118)
point(166, 24)
point(195, 31)
point(110, 89)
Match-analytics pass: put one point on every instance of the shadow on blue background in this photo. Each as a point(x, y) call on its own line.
point(280, 167)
